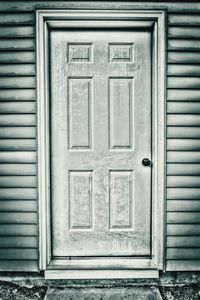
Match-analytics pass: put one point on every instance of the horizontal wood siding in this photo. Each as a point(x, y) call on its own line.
point(183, 144)
point(18, 174)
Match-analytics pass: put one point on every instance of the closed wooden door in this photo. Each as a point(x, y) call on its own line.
point(100, 120)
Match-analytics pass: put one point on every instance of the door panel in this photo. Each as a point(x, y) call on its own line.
point(100, 132)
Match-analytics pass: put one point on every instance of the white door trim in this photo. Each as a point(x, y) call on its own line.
point(102, 18)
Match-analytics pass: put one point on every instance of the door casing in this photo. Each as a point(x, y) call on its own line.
point(122, 268)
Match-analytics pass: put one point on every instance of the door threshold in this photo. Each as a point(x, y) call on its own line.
point(112, 268)
point(101, 274)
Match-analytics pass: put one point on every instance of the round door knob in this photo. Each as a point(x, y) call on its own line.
point(146, 162)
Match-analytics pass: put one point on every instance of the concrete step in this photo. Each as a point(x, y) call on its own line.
point(129, 293)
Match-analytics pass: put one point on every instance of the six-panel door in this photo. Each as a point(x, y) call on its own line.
point(100, 112)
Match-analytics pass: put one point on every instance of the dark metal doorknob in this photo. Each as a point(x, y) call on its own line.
point(146, 162)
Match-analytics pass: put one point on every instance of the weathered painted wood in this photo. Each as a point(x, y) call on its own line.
point(183, 217)
point(17, 82)
point(18, 193)
point(18, 242)
point(184, 32)
point(183, 57)
point(184, 44)
point(183, 132)
point(17, 18)
point(181, 253)
point(18, 205)
point(183, 95)
point(17, 44)
point(17, 157)
point(183, 205)
point(183, 107)
point(183, 193)
point(183, 181)
point(183, 156)
point(183, 70)
point(14, 254)
point(183, 169)
point(178, 119)
point(183, 144)
point(18, 181)
point(18, 230)
point(18, 217)
point(17, 144)
point(17, 69)
point(183, 265)
point(17, 57)
point(18, 132)
point(186, 82)
point(17, 108)
point(15, 31)
point(17, 94)
point(183, 229)
point(120, 132)
point(183, 241)
point(17, 120)
point(17, 169)
point(19, 265)
point(183, 19)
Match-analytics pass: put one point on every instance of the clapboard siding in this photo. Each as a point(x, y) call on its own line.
point(183, 156)
point(186, 205)
point(183, 241)
point(17, 30)
point(18, 217)
point(17, 69)
point(183, 144)
point(183, 31)
point(10, 57)
point(18, 170)
point(183, 95)
point(183, 169)
point(17, 44)
point(17, 82)
point(20, 205)
point(17, 107)
point(18, 120)
point(183, 44)
point(17, 94)
point(178, 119)
point(18, 230)
point(18, 144)
point(18, 173)
point(17, 18)
point(183, 132)
point(184, 57)
point(18, 242)
point(18, 181)
point(183, 70)
point(183, 19)
point(182, 181)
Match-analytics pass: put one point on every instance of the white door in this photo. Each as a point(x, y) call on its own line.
point(100, 112)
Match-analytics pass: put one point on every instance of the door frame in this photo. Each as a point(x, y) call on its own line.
point(92, 268)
